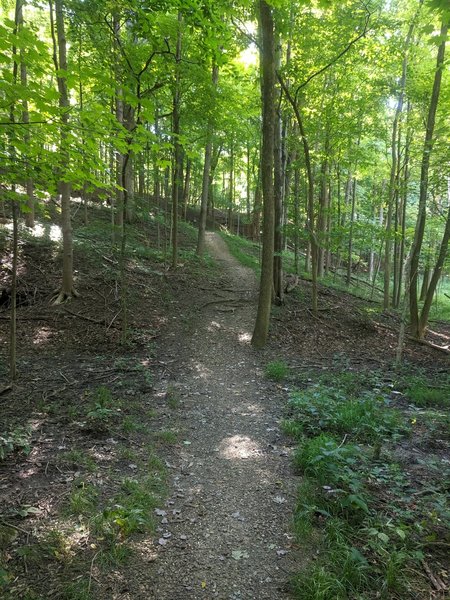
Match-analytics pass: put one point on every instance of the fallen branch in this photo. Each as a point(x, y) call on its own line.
point(84, 317)
point(224, 301)
point(430, 345)
point(8, 388)
point(437, 582)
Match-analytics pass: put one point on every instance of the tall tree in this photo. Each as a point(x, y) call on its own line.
point(261, 330)
point(417, 328)
point(67, 290)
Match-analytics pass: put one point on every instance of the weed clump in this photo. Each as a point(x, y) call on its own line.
point(346, 432)
point(277, 370)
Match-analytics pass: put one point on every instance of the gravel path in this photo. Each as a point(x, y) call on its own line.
point(225, 531)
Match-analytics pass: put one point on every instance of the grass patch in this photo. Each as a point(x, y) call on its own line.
point(277, 370)
point(245, 251)
point(424, 396)
point(77, 459)
point(355, 500)
point(166, 436)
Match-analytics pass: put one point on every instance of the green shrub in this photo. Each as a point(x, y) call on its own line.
point(277, 370)
point(17, 439)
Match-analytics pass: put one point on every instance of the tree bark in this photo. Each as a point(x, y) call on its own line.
point(177, 158)
point(261, 329)
point(29, 214)
point(416, 327)
point(278, 190)
point(119, 110)
point(206, 176)
point(324, 206)
point(437, 272)
point(350, 236)
point(187, 186)
point(60, 61)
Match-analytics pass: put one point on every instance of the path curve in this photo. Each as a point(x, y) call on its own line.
point(228, 523)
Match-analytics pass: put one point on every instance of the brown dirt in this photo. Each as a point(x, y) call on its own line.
point(233, 490)
point(227, 529)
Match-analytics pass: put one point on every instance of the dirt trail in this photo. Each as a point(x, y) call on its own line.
point(227, 530)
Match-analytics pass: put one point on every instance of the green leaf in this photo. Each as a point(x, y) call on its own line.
point(359, 502)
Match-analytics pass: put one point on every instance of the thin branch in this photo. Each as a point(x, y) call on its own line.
point(336, 58)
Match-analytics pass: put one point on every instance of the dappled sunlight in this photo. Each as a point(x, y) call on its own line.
point(202, 371)
point(40, 230)
point(239, 447)
point(28, 471)
point(245, 337)
point(43, 335)
point(144, 549)
point(213, 326)
point(249, 410)
point(443, 336)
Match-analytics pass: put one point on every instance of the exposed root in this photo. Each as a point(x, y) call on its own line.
point(63, 296)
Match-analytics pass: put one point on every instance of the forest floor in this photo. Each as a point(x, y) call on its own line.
point(158, 468)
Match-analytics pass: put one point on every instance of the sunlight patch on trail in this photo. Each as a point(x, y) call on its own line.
point(202, 371)
point(245, 337)
point(239, 447)
point(43, 335)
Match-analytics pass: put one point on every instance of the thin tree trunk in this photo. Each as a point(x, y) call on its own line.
point(416, 326)
point(231, 190)
point(187, 185)
point(206, 176)
point(350, 236)
point(424, 315)
point(119, 109)
point(60, 61)
point(18, 20)
point(323, 207)
point(261, 329)
point(278, 190)
point(176, 183)
point(310, 192)
point(404, 198)
point(296, 218)
point(29, 214)
point(392, 190)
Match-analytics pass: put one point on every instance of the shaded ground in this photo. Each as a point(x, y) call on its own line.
point(188, 388)
point(349, 331)
point(233, 488)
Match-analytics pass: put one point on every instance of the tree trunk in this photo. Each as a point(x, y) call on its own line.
point(310, 197)
point(29, 214)
point(231, 190)
point(423, 321)
point(206, 176)
point(350, 236)
point(60, 61)
point(425, 281)
point(261, 329)
point(278, 191)
point(323, 207)
point(187, 185)
point(176, 183)
point(119, 109)
point(393, 180)
point(296, 218)
point(404, 198)
point(416, 327)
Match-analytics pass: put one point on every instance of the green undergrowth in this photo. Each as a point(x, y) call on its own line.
point(245, 251)
point(374, 516)
point(115, 480)
point(277, 370)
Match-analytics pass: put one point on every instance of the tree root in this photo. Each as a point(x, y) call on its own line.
point(63, 296)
